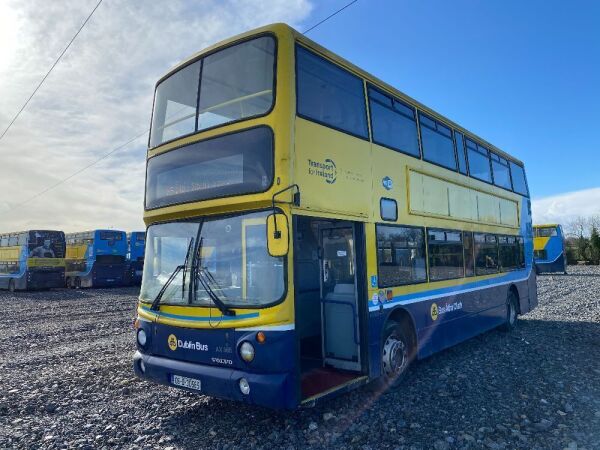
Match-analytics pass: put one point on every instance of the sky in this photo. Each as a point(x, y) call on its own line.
point(522, 75)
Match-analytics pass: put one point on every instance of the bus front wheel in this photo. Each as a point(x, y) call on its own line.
point(397, 353)
point(11, 285)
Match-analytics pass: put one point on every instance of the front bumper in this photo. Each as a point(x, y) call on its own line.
point(276, 391)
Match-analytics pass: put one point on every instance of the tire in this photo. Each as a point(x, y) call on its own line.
point(512, 311)
point(11, 285)
point(69, 283)
point(397, 354)
point(77, 283)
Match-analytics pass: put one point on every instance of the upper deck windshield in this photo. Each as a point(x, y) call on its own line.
point(227, 255)
point(46, 244)
point(545, 231)
point(231, 84)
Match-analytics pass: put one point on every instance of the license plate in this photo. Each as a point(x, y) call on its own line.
point(190, 383)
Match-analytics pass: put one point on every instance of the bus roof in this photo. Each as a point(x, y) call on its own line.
point(282, 27)
point(12, 233)
point(547, 225)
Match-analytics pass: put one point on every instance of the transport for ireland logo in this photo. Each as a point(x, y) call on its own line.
point(172, 341)
point(325, 169)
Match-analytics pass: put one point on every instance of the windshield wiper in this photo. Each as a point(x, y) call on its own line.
point(199, 272)
point(177, 269)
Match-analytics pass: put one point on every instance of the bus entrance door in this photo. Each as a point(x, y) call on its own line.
point(339, 300)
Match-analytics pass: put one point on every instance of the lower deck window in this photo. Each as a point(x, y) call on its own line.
point(400, 255)
point(445, 249)
point(486, 254)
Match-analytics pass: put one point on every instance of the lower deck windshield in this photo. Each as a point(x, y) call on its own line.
point(226, 255)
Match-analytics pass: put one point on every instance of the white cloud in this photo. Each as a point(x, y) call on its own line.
point(564, 208)
point(97, 97)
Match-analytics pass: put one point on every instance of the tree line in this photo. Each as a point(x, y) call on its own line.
point(583, 240)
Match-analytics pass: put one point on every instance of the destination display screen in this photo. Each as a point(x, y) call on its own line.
point(235, 164)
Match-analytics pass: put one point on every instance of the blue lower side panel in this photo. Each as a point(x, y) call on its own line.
point(551, 267)
point(269, 390)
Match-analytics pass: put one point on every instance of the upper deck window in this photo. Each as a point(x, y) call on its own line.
point(235, 83)
point(501, 172)
point(518, 179)
point(460, 152)
point(393, 123)
point(329, 94)
point(479, 161)
point(437, 142)
point(234, 164)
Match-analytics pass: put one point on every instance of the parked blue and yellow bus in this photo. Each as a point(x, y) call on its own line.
point(312, 229)
point(549, 250)
point(96, 258)
point(136, 247)
point(33, 259)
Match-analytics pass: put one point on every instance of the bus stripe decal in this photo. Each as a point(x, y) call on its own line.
point(437, 293)
point(200, 319)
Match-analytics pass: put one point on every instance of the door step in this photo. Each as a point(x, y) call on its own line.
point(349, 382)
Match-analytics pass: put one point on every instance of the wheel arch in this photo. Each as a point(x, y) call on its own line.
point(404, 318)
point(513, 288)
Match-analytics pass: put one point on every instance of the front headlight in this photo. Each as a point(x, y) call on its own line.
point(247, 351)
point(141, 337)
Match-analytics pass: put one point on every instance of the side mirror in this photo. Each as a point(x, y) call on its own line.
point(278, 242)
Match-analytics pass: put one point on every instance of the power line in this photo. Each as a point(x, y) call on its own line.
point(74, 174)
point(330, 16)
point(48, 73)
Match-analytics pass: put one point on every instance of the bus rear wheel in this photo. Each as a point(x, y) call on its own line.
point(69, 283)
point(512, 312)
point(77, 283)
point(11, 285)
point(397, 353)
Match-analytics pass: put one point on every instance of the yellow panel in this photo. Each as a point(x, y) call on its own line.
point(10, 253)
point(463, 202)
point(488, 208)
point(509, 214)
point(76, 251)
point(435, 196)
point(539, 243)
point(332, 169)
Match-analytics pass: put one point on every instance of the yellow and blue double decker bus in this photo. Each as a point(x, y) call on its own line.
point(549, 250)
point(136, 248)
point(96, 258)
point(33, 259)
point(312, 229)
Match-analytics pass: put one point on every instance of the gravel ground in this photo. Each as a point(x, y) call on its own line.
point(67, 382)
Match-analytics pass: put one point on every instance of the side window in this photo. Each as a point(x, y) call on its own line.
point(4, 242)
point(12, 241)
point(445, 254)
point(479, 161)
point(329, 94)
point(438, 146)
point(460, 152)
point(509, 253)
point(389, 209)
point(486, 254)
point(393, 123)
point(22, 239)
point(521, 243)
point(469, 255)
point(518, 179)
point(400, 255)
point(501, 172)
